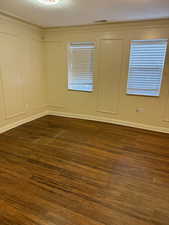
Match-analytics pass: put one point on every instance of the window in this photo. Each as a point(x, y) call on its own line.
point(147, 59)
point(81, 66)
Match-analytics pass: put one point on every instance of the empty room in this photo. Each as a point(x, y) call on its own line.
point(84, 112)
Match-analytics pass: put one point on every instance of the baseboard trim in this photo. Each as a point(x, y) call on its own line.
point(85, 117)
point(21, 122)
point(109, 120)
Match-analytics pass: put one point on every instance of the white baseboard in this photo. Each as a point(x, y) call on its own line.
point(109, 120)
point(20, 122)
point(85, 117)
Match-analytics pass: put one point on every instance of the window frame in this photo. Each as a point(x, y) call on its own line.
point(69, 65)
point(165, 62)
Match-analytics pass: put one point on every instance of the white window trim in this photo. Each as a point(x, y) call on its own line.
point(69, 65)
point(163, 72)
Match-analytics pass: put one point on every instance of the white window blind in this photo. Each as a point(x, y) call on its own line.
point(81, 66)
point(147, 59)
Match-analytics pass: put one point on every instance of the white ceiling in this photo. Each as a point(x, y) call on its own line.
point(78, 12)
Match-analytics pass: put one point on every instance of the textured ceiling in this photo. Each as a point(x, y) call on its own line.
point(78, 12)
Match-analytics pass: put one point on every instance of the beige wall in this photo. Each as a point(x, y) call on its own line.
point(22, 77)
point(108, 101)
point(33, 74)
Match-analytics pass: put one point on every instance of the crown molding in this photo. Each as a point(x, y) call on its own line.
point(162, 22)
point(18, 19)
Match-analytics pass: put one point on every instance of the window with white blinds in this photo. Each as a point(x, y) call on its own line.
point(81, 66)
point(147, 59)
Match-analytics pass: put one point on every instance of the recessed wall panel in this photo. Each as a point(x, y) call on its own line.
point(110, 65)
point(11, 74)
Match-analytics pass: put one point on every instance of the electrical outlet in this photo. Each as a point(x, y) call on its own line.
point(139, 110)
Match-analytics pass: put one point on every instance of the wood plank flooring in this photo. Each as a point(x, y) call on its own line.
point(60, 171)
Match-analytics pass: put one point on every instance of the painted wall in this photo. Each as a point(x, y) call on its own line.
point(22, 77)
point(108, 101)
point(33, 74)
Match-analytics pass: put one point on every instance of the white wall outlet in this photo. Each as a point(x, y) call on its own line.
point(139, 110)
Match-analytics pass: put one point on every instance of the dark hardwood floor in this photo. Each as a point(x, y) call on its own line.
point(60, 171)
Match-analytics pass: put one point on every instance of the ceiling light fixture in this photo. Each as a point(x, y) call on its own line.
point(49, 2)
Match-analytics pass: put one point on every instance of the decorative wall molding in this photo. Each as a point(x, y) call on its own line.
point(25, 32)
point(109, 90)
point(123, 103)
